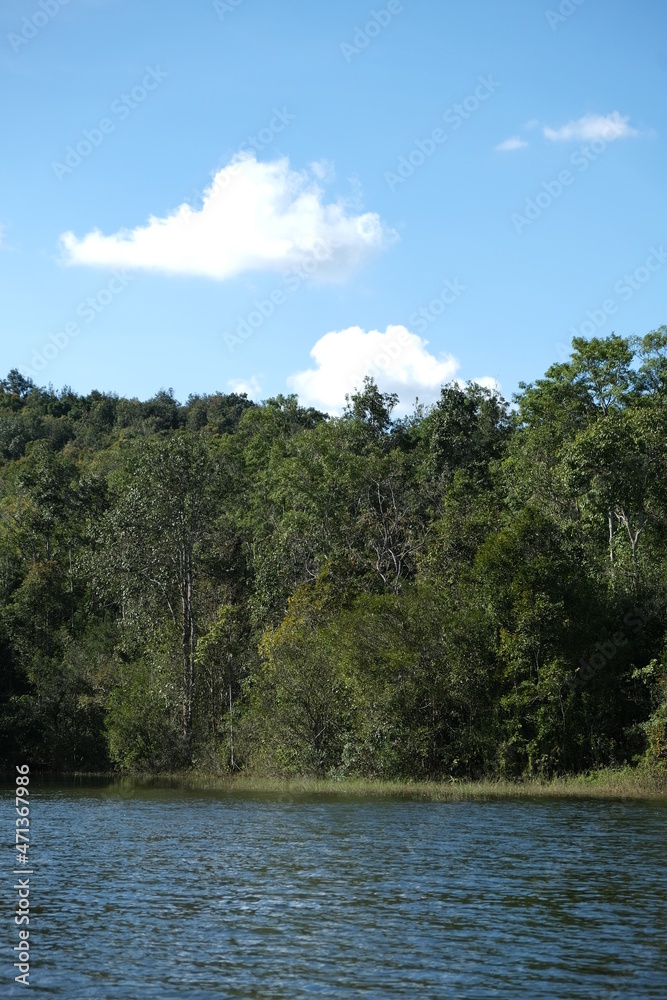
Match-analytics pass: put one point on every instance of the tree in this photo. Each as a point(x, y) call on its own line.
point(371, 408)
point(154, 536)
point(467, 429)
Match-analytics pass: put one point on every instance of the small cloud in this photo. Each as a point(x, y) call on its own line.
point(533, 123)
point(251, 387)
point(607, 127)
point(255, 216)
point(397, 359)
point(514, 142)
point(324, 170)
point(487, 382)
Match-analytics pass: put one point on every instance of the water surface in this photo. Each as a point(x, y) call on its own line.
point(166, 893)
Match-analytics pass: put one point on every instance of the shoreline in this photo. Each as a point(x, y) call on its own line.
point(626, 783)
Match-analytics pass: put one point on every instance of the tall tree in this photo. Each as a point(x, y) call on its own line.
point(154, 539)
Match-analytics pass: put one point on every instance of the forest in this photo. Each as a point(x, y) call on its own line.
point(478, 589)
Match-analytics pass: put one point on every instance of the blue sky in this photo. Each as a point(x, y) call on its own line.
point(287, 196)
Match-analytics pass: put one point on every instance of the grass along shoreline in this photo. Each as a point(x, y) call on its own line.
point(608, 783)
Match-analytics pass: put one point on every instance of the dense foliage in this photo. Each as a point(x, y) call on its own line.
point(473, 590)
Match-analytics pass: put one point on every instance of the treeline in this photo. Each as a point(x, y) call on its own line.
point(476, 589)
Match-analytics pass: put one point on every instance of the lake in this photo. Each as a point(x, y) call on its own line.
point(164, 892)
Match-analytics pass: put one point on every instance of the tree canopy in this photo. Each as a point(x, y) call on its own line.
point(477, 589)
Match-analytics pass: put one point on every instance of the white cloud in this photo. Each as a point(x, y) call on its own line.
point(487, 382)
point(250, 386)
point(607, 127)
point(397, 359)
point(323, 170)
point(514, 142)
point(254, 216)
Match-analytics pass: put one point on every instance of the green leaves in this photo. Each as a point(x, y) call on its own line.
point(229, 584)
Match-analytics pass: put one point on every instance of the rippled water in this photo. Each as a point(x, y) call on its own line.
point(166, 893)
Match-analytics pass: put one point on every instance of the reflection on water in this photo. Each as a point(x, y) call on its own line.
point(165, 893)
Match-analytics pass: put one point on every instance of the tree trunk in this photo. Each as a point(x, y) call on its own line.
point(188, 647)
